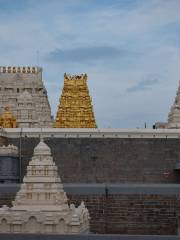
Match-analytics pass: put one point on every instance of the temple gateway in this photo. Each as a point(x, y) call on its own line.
point(75, 108)
point(22, 91)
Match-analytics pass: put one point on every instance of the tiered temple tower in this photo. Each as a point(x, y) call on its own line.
point(75, 108)
point(41, 204)
point(174, 114)
point(13, 82)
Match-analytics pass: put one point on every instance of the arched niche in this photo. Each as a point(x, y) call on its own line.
point(61, 226)
point(4, 226)
point(32, 226)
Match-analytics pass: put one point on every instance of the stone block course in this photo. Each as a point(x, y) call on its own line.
point(121, 213)
point(113, 160)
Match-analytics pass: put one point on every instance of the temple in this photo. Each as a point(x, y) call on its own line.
point(127, 179)
point(75, 108)
point(174, 114)
point(41, 204)
point(23, 92)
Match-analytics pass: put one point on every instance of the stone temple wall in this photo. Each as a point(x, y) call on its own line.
point(144, 209)
point(98, 160)
point(9, 169)
point(112, 166)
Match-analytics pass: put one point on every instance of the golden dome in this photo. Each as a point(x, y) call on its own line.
point(7, 120)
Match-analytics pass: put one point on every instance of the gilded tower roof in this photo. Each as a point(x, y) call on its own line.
point(75, 109)
point(7, 120)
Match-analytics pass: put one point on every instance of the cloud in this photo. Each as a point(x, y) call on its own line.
point(125, 47)
point(143, 85)
point(85, 54)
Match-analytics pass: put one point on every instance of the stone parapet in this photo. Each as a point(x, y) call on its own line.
point(92, 133)
point(9, 150)
point(86, 237)
point(24, 69)
point(102, 189)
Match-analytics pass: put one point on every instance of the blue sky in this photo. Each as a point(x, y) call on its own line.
point(130, 50)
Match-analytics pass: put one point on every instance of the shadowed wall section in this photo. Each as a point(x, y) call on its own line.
point(122, 208)
point(97, 160)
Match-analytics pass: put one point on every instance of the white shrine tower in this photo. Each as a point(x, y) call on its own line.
point(174, 114)
point(41, 205)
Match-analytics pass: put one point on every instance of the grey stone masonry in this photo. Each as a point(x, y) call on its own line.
point(14, 81)
point(122, 208)
point(9, 164)
point(105, 155)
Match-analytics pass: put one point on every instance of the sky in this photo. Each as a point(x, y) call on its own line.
point(130, 50)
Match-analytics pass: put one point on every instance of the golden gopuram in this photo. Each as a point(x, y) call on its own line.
point(75, 108)
point(7, 120)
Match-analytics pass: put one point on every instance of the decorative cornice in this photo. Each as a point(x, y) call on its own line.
point(24, 69)
point(91, 133)
point(9, 150)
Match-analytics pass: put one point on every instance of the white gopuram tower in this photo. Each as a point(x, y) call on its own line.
point(14, 81)
point(41, 205)
point(174, 114)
